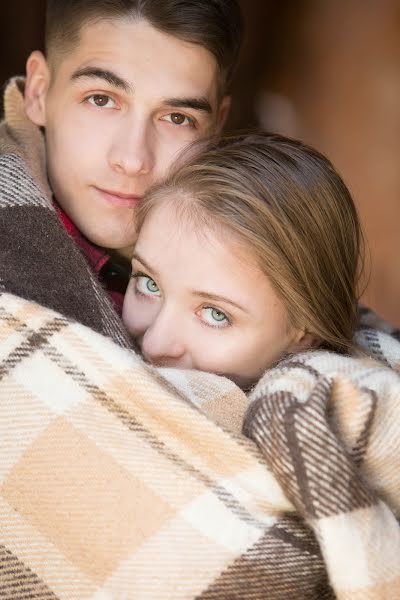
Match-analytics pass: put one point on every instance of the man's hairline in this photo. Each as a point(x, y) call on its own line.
point(54, 48)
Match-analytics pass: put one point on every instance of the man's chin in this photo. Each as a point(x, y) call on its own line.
point(126, 251)
point(106, 239)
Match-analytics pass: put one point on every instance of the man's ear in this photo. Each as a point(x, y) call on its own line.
point(36, 86)
point(223, 112)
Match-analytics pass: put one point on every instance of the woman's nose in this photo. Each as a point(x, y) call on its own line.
point(162, 344)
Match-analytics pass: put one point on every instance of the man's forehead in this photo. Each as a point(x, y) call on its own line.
point(166, 61)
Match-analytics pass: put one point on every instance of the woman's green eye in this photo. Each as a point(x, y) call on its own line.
point(217, 315)
point(214, 317)
point(146, 286)
point(151, 285)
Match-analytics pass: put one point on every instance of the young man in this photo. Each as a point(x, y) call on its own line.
point(123, 88)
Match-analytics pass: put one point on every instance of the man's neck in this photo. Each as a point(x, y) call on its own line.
point(125, 252)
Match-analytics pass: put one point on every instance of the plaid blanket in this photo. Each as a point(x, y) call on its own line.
point(120, 481)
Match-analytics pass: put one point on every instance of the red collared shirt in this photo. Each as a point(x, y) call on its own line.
point(112, 274)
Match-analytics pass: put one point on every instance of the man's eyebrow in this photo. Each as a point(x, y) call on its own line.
point(106, 75)
point(217, 298)
point(194, 103)
point(137, 257)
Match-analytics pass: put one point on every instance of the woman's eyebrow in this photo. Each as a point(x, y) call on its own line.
point(137, 257)
point(217, 298)
point(108, 76)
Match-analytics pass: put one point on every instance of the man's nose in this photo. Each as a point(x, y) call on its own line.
point(132, 151)
point(162, 344)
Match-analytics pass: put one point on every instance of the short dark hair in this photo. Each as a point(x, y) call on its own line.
point(217, 25)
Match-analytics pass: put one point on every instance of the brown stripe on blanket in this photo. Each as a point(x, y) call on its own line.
point(295, 438)
point(13, 323)
point(285, 564)
point(18, 582)
point(167, 385)
point(375, 348)
point(33, 342)
point(360, 448)
point(13, 176)
point(295, 363)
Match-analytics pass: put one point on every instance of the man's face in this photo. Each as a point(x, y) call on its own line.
point(117, 109)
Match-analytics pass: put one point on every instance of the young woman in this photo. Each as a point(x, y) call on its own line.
point(247, 253)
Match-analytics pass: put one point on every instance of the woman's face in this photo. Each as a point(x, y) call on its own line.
point(197, 300)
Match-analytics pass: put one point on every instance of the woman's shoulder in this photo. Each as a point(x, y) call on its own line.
point(373, 364)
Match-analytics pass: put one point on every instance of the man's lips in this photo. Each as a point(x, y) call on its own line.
point(119, 198)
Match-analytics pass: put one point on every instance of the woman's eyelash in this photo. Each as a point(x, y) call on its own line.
point(226, 322)
point(136, 274)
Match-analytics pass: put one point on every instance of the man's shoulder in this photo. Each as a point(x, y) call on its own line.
point(20, 139)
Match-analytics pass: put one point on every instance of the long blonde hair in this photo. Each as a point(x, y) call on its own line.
point(290, 207)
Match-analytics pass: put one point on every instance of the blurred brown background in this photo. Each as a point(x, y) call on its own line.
point(326, 72)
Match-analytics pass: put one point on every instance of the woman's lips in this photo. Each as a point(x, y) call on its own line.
point(119, 199)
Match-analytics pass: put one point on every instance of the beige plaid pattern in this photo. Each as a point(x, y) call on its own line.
point(329, 428)
point(115, 485)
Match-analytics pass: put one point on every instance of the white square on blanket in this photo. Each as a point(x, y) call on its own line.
point(215, 521)
point(49, 383)
point(361, 548)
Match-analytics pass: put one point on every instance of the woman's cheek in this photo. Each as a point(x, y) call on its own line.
point(212, 350)
point(137, 313)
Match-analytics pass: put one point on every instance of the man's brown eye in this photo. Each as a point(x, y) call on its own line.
point(177, 118)
point(100, 100)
